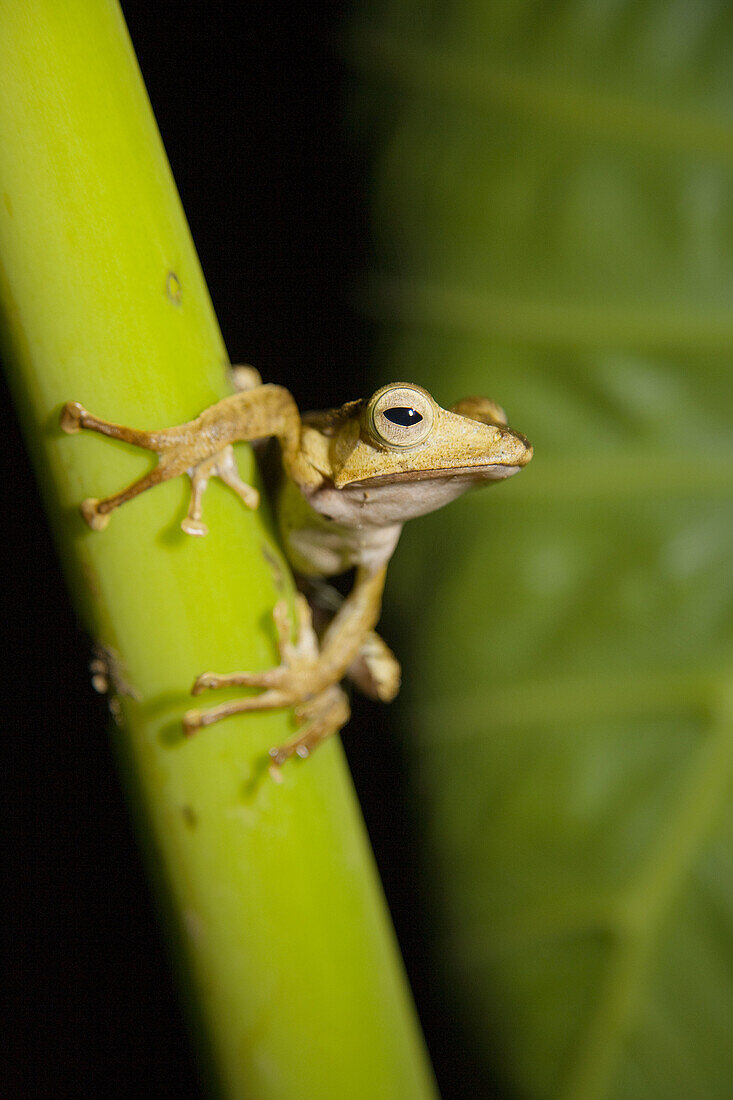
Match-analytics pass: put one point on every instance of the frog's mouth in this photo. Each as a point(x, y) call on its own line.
point(493, 472)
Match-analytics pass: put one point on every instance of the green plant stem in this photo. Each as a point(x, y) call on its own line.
point(273, 899)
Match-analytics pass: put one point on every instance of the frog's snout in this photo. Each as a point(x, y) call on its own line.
point(524, 448)
point(516, 449)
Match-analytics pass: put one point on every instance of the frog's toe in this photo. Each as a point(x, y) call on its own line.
point(89, 509)
point(270, 677)
point(301, 746)
point(194, 527)
point(71, 417)
point(191, 722)
point(205, 681)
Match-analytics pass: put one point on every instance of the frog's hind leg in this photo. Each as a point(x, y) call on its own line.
point(319, 716)
point(376, 671)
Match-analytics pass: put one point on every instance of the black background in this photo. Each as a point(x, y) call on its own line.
point(250, 103)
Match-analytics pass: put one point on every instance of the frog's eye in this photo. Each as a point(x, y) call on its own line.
point(400, 416)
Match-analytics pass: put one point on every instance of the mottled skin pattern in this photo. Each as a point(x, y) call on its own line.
point(351, 477)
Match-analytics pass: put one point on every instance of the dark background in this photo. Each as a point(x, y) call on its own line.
point(250, 102)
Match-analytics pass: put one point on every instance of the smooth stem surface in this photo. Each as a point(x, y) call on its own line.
point(273, 895)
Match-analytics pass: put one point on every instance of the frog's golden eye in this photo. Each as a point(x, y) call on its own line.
point(400, 416)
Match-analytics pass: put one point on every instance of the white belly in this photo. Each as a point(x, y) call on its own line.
point(334, 530)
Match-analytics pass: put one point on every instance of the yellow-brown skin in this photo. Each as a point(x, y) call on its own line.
point(351, 477)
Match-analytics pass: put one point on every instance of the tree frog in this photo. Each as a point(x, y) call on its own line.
point(350, 478)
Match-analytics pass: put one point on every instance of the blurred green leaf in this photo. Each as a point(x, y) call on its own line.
point(552, 202)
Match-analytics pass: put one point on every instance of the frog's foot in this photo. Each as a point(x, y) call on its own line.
point(293, 678)
point(179, 451)
point(74, 418)
point(296, 682)
point(292, 682)
point(318, 718)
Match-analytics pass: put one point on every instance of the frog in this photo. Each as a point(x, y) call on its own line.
point(350, 477)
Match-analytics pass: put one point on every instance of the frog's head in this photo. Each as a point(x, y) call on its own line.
point(401, 434)
point(400, 454)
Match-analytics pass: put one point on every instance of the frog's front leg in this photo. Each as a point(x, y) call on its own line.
point(200, 448)
point(224, 466)
point(308, 675)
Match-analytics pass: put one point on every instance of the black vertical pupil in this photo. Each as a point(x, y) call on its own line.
point(403, 416)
